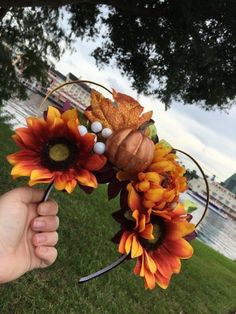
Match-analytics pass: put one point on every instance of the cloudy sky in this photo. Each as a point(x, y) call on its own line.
point(210, 137)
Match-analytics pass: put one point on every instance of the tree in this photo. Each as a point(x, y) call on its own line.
point(177, 50)
point(191, 174)
point(28, 37)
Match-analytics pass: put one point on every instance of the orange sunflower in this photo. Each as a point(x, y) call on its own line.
point(159, 245)
point(52, 150)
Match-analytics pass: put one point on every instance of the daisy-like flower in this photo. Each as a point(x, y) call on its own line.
point(159, 245)
point(52, 150)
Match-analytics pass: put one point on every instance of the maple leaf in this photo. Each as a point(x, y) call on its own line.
point(123, 112)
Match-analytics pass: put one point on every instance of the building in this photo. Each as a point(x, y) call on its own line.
point(220, 196)
point(78, 94)
point(230, 183)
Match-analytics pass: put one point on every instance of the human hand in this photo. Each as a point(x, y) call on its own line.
point(27, 232)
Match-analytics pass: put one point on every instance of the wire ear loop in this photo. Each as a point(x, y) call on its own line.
point(123, 257)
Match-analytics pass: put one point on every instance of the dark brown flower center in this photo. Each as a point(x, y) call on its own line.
point(59, 154)
point(158, 233)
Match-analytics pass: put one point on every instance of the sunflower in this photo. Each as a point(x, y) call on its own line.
point(52, 150)
point(159, 245)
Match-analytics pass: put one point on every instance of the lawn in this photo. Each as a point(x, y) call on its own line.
point(207, 283)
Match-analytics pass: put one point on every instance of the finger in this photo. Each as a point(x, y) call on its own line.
point(45, 239)
point(46, 254)
point(48, 208)
point(27, 194)
point(45, 223)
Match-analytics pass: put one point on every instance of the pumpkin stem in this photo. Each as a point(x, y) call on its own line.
point(145, 125)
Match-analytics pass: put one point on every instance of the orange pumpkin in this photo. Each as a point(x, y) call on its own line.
point(130, 150)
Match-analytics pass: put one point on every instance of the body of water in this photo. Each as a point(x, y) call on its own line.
point(215, 231)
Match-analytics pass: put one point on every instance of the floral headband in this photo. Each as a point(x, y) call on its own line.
point(113, 142)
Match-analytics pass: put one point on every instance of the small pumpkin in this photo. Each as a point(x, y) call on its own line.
point(130, 150)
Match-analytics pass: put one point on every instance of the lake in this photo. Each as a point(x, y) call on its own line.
point(215, 231)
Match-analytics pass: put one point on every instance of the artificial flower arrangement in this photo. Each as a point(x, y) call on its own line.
point(113, 142)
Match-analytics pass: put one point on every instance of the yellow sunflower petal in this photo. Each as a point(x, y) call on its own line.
point(52, 113)
point(86, 178)
point(70, 115)
point(149, 263)
point(128, 243)
point(179, 229)
point(137, 249)
point(134, 200)
point(149, 279)
point(70, 186)
point(123, 239)
point(147, 232)
point(41, 176)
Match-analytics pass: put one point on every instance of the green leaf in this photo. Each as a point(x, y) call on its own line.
point(152, 133)
point(82, 119)
point(189, 206)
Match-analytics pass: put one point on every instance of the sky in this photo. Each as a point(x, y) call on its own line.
point(210, 137)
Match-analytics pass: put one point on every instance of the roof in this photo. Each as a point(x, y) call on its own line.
point(72, 77)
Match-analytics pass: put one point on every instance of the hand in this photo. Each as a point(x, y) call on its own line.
point(27, 232)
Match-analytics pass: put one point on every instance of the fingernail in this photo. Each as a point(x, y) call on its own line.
point(39, 224)
point(41, 238)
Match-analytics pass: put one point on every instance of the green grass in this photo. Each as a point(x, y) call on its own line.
point(207, 283)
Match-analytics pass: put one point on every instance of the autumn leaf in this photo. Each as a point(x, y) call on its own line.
point(123, 112)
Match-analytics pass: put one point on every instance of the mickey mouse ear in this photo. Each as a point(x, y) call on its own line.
point(205, 180)
point(104, 270)
point(100, 272)
point(123, 257)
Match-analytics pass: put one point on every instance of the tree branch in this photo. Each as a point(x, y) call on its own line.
point(3, 12)
point(137, 9)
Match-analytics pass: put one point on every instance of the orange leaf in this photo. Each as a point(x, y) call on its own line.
point(124, 112)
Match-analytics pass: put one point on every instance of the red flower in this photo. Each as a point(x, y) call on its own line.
point(159, 245)
point(53, 150)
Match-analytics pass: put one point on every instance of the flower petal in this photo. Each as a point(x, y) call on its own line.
point(149, 279)
point(162, 281)
point(134, 200)
point(94, 162)
point(180, 248)
point(149, 263)
point(70, 114)
point(52, 113)
point(154, 195)
point(86, 178)
point(137, 248)
point(179, 229)
point(123, 239)
point(41, 175)
point(87, 142)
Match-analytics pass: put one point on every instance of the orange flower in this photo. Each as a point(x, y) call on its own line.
point(52, 149)
point(159, 246)
point(163, 181)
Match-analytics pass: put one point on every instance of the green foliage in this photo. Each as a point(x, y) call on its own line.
point(176, 50)
point(182, 50)
point(191, 174)
point(28, 36)
point(189, 206)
